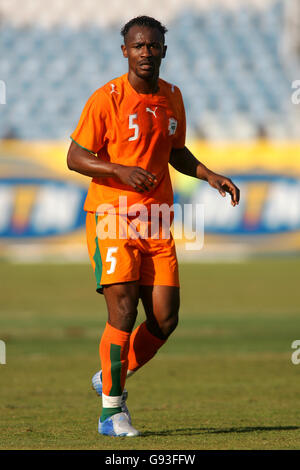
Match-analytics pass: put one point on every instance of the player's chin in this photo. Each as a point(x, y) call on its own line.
point(146, 73)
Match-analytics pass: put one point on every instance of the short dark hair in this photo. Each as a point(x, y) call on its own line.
point(144, 21)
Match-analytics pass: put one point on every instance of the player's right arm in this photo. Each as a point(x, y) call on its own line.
point(86, 163)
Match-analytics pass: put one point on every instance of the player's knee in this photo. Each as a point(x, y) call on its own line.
point(169, 324)
point(125, 314)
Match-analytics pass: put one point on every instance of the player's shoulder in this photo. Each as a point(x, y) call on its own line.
point(109, 91)
point(169, 88)
point(114, 88)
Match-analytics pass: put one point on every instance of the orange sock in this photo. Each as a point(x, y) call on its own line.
point(113, 350)
point(143, 346)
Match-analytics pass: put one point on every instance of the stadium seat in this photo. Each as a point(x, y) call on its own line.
point(226, 60)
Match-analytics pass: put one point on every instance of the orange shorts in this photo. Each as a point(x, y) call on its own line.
point(117, 259)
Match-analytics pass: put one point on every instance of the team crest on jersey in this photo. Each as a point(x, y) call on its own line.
point(172, 126)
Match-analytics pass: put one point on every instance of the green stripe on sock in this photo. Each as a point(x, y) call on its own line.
point(115, 359)
point(116, 390)
point(107, 412)
point(98, 260)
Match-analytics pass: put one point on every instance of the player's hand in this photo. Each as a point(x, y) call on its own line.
point(136, 177)
point(224, 185)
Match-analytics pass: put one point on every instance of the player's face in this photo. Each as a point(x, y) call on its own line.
point(144, 49)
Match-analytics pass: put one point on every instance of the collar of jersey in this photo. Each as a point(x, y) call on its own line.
point(156, 97)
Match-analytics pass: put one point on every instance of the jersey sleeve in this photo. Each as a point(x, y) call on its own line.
point(179, 137)
point(91, 130)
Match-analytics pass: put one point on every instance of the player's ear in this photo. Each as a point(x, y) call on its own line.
point(124, 50)
point(164, 51)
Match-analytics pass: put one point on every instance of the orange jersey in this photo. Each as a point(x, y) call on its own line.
point(133, 129)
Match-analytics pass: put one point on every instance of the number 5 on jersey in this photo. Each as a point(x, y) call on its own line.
point(134, 126)
point(111, 259)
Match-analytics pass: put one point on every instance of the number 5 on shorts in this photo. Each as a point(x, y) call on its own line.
point(111, 259)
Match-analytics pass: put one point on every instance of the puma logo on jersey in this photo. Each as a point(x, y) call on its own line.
point(151, 111)
point(113, 90)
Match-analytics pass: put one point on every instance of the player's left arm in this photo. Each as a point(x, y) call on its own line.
point(185, 162)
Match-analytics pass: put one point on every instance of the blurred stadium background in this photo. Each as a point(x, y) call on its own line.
point(235, 62)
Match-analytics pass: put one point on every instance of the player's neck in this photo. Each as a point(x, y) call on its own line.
point(142, 85)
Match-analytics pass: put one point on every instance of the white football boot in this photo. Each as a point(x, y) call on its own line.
point(117, 426)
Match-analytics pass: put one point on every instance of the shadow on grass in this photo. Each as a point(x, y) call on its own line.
point(194, 431)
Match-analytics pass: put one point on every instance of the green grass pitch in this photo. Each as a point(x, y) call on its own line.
point(224, 380)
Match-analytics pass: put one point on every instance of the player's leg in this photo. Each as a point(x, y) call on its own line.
point(159, 292)
point(121, 300)
point(160, 295)
point(116, 265)
point(161, 304)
